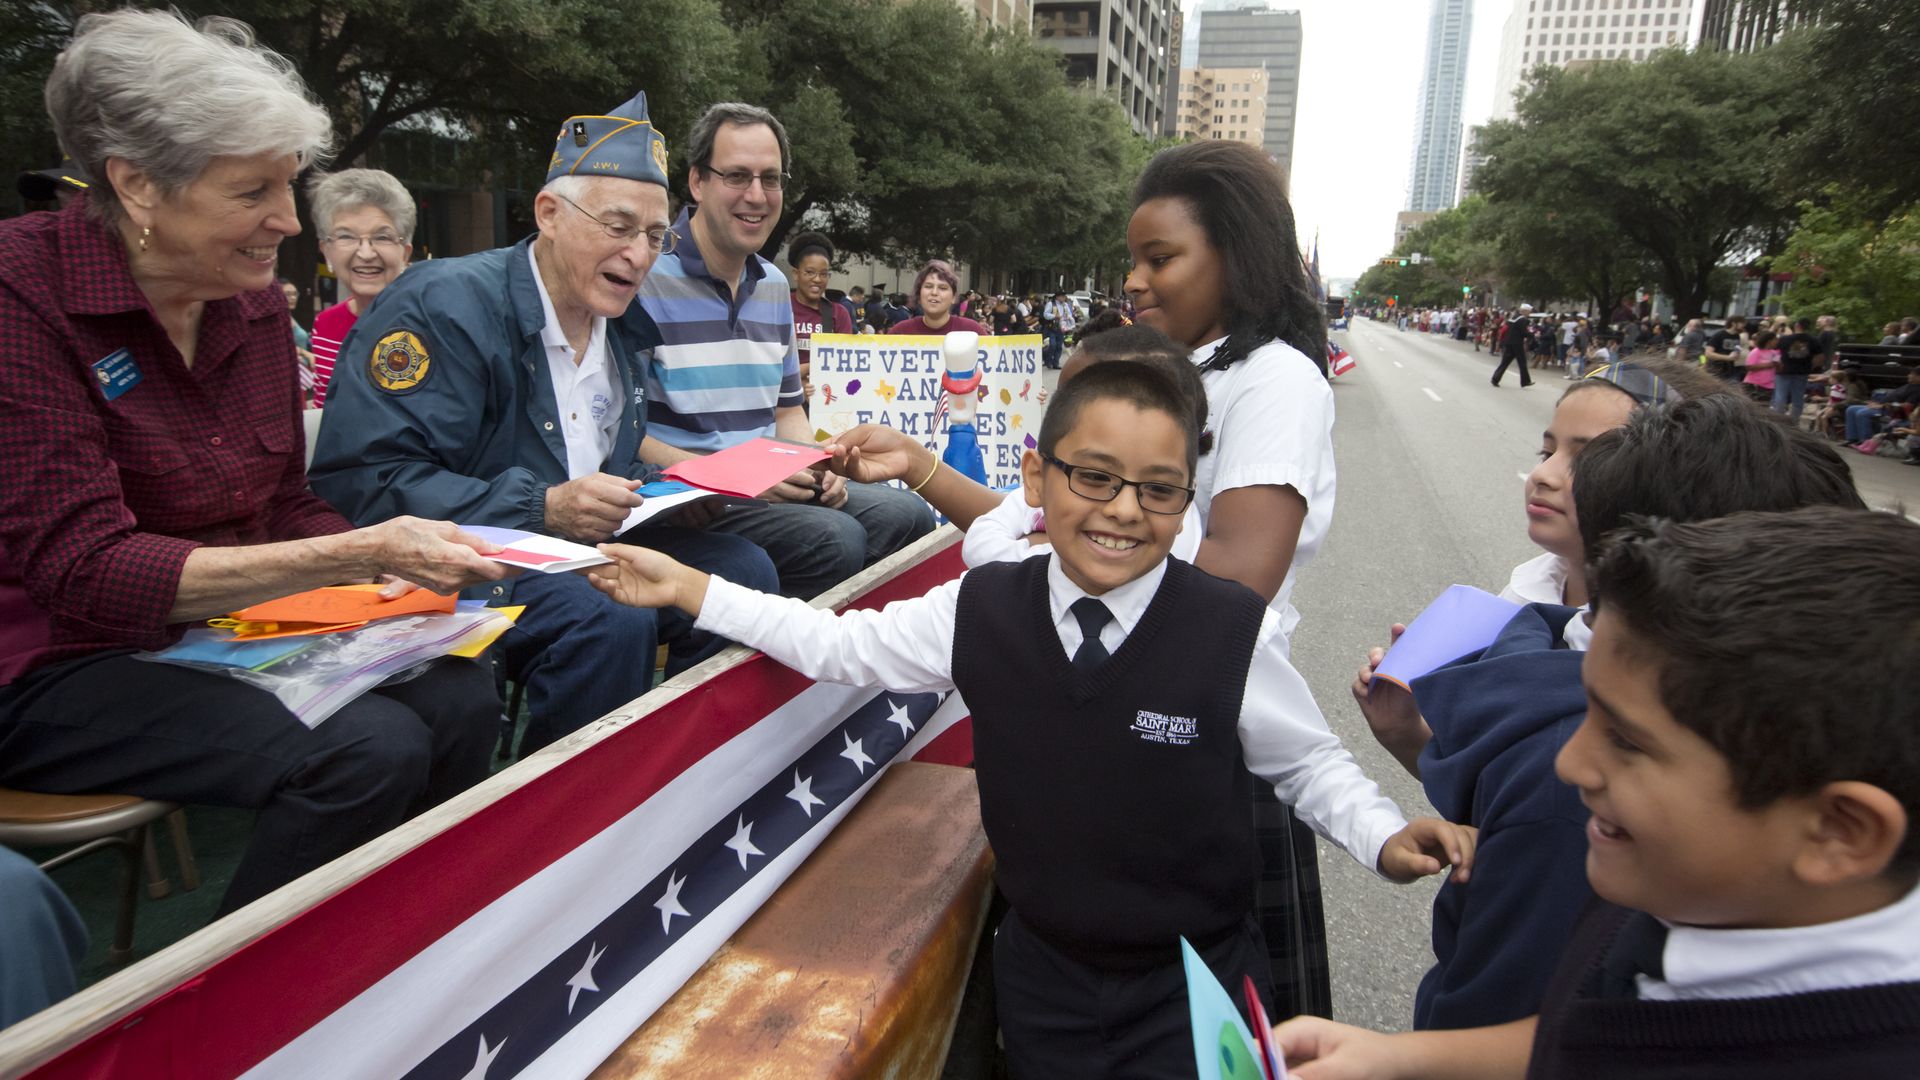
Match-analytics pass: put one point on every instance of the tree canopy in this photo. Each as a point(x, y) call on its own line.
point(915, 131)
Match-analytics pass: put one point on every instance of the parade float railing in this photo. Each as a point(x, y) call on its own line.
point(531, 924)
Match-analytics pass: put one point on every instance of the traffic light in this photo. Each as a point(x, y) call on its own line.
point(1465, 290)
point(1403, 262)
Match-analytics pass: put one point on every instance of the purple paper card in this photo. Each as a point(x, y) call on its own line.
point(1462, 620)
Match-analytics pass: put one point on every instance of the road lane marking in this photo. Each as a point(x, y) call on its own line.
point(1430, 393)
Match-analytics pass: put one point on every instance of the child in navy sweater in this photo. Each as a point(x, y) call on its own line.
point(1123, 704)
point(1752, 844)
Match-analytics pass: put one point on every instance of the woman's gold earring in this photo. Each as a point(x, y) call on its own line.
point(144, 233)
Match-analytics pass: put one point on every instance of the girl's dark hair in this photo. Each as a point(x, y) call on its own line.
point(1765, 339)
point(1239, 199)
point(806, 244)
point(1144, 344)
point(1685, 381)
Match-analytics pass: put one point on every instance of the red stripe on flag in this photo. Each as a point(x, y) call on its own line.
point(240, 1010)
point(953, 746)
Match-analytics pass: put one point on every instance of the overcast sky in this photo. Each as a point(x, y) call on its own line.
point(1353, 139)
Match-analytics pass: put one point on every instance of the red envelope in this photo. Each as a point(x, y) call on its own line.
point(748, 470)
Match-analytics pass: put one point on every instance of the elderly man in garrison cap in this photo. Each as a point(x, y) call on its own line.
point(505, 389)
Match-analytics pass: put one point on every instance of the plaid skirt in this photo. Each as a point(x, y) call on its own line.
point(1288, 909)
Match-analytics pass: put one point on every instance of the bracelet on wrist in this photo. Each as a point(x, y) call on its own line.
point(936, 468)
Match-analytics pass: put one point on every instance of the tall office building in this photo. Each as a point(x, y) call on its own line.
point(1470, 161)
point(1443, 88)
point(1001, 14)
point(1746, 25)
point(1563, 31)
point(1223, 103)
point(1255, 37)
point(1121, 48)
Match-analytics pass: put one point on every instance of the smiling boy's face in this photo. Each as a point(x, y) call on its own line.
point(1667, 835)
point(1103, 545)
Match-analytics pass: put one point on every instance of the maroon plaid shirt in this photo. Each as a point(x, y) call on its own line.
point(101, 501)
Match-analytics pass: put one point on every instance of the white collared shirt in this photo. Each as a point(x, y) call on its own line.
point(1272, 421)
point(1715, 965)
point(907, 646)
point(1543, 580)
point(582, 387)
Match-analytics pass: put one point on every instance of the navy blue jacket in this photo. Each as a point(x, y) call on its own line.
point(477, 440)
point(1499, 717)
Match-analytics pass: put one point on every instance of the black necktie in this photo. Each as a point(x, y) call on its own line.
point(1639, 949)
point(1093, 616)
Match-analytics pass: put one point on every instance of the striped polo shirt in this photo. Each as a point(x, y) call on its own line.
point(725, 361)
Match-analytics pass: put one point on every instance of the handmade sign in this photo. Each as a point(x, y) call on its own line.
point(897, 381)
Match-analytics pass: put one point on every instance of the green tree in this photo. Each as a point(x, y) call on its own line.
point(1856, 71)
point(1659, 152)
point(1850, 261)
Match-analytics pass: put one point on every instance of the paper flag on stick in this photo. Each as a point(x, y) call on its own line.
point(1463, 620)
point(1223, 1048)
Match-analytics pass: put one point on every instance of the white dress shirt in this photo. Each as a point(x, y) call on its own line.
point(1543, 580)
point(907, 646)
point(1272, 421)
point(1714, 965)
point(582, 387)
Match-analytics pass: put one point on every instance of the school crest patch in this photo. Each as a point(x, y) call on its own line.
point(400, 362)
point(660, 154)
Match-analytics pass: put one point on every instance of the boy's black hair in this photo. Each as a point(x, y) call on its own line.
point(1144, 386)
point(806, 244)
point(1240, 200)
point(1700, 459)
point(1144, 344)
point(1726, 608)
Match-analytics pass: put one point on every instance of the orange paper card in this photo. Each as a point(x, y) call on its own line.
point(337, 604)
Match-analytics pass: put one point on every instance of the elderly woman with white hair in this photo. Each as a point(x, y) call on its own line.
point(365, 219)
point(152, 447)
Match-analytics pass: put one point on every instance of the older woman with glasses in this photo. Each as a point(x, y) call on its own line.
point(152, 449)
point(365, 218)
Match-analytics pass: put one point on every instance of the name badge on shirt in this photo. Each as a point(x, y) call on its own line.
point(117, 373)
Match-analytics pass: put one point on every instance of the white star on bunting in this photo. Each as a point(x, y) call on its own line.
point(742, 842)
point(899, 716)
point(669, 903)
point(854, 754)
point(802, 793)
point(484, 1059)
point(583, 979)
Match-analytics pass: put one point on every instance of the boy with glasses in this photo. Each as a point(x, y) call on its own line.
point(1117, 750)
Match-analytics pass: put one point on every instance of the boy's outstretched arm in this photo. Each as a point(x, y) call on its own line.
point(1317, 1049)
point(1427, 846)
point(906, 647)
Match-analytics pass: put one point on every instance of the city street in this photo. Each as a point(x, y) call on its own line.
point(1430, 460)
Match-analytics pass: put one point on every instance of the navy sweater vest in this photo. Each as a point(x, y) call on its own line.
point(1864, 1033)
point(1115, 801)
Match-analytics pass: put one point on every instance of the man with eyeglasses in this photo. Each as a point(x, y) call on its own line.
point(728, 369)
point(507, 388)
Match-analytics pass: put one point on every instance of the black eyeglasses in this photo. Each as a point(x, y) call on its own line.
point(742, 179)
point(659, 238)
point(1103, 486)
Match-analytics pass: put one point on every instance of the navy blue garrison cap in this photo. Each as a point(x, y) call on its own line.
point(622, 143)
